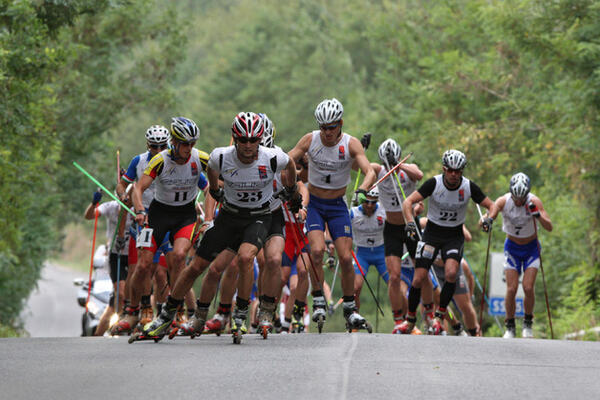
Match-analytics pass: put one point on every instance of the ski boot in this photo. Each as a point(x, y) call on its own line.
point(192, 327)
point(265, 317)
point(355, 321)
point(238, 325)
point(408, 325)
point(285, 327)
point(156, 329)
point(146, 316)
point(459, 330)
point(319, 312)
point(397, 325)
point(216, 324)
point(527, 331)
point(510, 332)
point(276, 323)
point(298, 319)
point(128, 321)
point(436, 328)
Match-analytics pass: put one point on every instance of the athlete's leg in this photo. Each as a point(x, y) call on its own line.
point(225, 261)
point(512, 284)
point(316, 240)
point(398, 299)
point(529, 277)
point(272, 273)
point(343, 247)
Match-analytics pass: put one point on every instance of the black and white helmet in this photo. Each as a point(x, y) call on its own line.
point(157, 134)
point(454, 159)
point(373, 193)
point(268, 136)
point(184, 129)
point(389, 152)
point(520, 185)
point(328, 111)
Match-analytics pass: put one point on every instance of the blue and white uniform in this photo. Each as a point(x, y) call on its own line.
point(517, 221)
point(368, 238)
point(329, 168)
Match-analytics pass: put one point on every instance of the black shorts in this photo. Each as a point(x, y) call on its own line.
point(394, 239)
point(277, 224)
point(462, 287)
point(114, 266)
point(230, 231)
point(448, 247)
point(174, 220)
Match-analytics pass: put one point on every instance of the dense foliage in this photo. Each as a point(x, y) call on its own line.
point(514, 84)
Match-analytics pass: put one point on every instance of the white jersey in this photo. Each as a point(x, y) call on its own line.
point(110, 210)
point(176, 184)
point(517, 221)
point(367, 231)
point(135, 171)
point(449, 207)
point(248, 185)
point(329, 167)
point(389, 186)
point(277, 188)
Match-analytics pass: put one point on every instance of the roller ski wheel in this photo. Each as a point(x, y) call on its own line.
point(215, 325)
point(320, 323)
point(237, 337)
point(264, 331)
point(141, 336)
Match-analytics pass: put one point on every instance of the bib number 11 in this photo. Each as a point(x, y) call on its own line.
point(145, 238)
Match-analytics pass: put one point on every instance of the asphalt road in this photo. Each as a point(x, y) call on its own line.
point(52, 309)
point(306, 366)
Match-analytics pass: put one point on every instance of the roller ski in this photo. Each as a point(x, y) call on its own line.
point(146, 316)
point(355, 321)
point(297, 319)
point(265, 318)
point(238, 325)
point(157, 329)
point(406, 327)
point(319, 312)
point(128, 321)
point(192, 327)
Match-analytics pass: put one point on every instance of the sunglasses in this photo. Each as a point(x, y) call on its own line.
point(329, 127)
point(453, 171)
point(245, 140)
point(370, 201)
point(157, 146)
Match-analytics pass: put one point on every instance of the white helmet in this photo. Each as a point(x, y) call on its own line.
point(519, 185)
point(373, 193)
point(389, 152)
point(329, 111)
point(157, 134)
point(454, 159)
point(268, 136)
point(184, 130)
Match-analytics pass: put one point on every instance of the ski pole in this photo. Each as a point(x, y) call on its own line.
point(96, 214)
point(543, 279)
point(103, 188)
point(297, 236)
point(367, 282)
point(487, 255)
point(487, 300)
point(377, 314)
point(118, 167)
point(390, 171)
point(337, 264)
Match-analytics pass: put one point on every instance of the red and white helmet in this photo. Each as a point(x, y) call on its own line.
point(248, 125)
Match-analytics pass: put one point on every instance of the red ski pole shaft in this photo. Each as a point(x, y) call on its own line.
point(92, 259)
point(391, 171)
point(297, 235)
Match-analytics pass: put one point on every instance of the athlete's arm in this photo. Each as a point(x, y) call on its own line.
point(500, 203)
point(466, 233)
point(407, 205)
point(301, 148)
point(376, 168)
point(288, 176)
point(544, 218)
point(358, 152)
point(89, 211)
point(412, 170)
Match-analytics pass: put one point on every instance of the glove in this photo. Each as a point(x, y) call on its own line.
point(360, 196)
point(120, 244)
point(97, 197)
point(411, 230)
point(218, 194)
point(533, 209)
point(295, 203)
point(366, 140)
point(288, 192)
point(487, 223)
